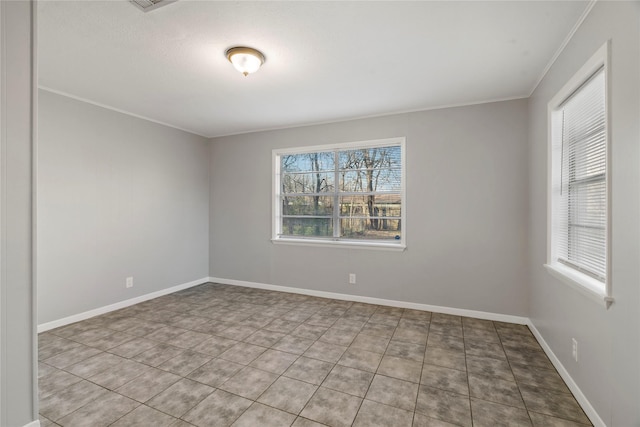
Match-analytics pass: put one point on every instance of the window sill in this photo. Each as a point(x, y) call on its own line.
point(345, 244)
point(584, 284)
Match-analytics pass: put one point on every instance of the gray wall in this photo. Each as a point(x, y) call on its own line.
point(608, 368)
point(117, 196)
point(466, 211)
point(17, 327)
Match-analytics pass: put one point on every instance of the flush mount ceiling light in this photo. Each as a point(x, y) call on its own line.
point(149, 5)
point(245, 59)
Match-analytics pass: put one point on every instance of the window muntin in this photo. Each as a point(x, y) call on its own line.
point(366, 205)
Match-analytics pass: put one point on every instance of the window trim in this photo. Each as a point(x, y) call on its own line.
point(346, 243)
point(584, 283)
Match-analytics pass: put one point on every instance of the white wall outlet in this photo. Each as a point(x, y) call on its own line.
point(574, 349)
point(129, 282)
point(352, 278)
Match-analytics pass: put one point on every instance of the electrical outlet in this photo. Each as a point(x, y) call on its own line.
point(129, 282)
point(352, 278)
point(574, 349)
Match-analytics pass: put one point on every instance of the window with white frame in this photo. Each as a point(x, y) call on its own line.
point(349, 194)
point(579, 196)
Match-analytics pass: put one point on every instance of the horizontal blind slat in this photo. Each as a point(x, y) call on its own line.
point(581, 222)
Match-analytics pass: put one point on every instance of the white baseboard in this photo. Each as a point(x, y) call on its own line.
point(379, 301)
point(122, 304)
point(580, 397)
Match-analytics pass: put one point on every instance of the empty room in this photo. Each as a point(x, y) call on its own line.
point(320, 213)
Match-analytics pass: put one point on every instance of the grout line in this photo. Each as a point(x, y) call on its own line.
point(524, 402)
point(464, 346)
point(424, 360)
point(377, 368)
point(281, 310)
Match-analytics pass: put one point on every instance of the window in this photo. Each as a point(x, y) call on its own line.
point(578, 247)
point(344, 194)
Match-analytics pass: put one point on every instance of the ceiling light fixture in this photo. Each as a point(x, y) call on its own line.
point(149, 5)
point(245, 59)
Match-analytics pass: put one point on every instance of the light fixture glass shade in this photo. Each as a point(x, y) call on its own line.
point(245, 59)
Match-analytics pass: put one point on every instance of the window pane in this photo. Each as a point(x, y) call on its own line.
point(371, 180)
point(370, 228)
point(381, 205)
point(367, 158)
point(312, 227)
point(360, 187)
point(315, 182)
point(587, 159)
point(583, 199)
point(308, 162)
point(587, 250)
point(588, 204)
point(307, 205)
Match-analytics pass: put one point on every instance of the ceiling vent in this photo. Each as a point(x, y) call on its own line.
point(147, 5)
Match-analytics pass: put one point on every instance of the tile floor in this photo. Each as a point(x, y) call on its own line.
point(217, 355)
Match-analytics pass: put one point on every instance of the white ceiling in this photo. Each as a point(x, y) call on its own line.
point(326, 61)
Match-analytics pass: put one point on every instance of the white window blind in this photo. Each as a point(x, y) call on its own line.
point(581, 211)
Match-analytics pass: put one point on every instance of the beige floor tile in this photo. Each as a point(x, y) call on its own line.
point(348, 380)
point(445, 379)
point(148, 385)
point(495, 390)
point(249, 382)
point(63, 402)
point(373, 414)
point(215, 372)
point(243, 353)
point(297, 360)
point(101, 412)
point(145, 416)
point(309, 370)
point(264, 416)
point(218, 409)
point(325, 351)
point(274, 361)
point(393, 392)
point(361, 359)
point(288, 394)
point(180, 397)
point(488, 414)
point(332, 408)
point(444, 405)
point(404, 369)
